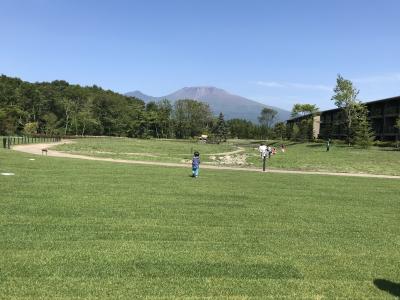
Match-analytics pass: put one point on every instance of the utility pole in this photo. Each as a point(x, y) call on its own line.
point(264, 159)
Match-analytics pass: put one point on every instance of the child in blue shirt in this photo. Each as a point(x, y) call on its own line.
point(196, 164)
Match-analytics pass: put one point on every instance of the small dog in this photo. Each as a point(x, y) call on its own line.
point(44, 150)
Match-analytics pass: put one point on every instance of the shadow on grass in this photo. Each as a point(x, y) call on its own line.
point(388, 286)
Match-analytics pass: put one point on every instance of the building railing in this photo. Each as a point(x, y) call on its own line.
point(391, 110)
point(390, 130)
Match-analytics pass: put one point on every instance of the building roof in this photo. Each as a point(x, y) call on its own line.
point(384, 100)
point(336, 109)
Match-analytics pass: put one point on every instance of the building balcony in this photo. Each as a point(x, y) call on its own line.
point(395, 114)
point(391, 111)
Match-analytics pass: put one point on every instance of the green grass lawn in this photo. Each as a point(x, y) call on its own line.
point(299, 156)
point(85, 229)
point(340, 158)
point(142, 149)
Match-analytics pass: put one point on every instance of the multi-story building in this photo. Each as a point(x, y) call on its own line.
point(382, 114)
point(314, 131)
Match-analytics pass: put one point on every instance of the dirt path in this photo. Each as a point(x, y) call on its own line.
point(239, 150)
point(37, 150)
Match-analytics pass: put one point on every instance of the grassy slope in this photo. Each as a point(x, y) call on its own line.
point(81, 229)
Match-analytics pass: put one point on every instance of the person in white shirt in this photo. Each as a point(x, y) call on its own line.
point(263, 150)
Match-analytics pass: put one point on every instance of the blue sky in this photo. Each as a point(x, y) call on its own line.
point(275, 52)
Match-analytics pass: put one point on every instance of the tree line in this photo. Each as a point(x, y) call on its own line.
point(60, 108)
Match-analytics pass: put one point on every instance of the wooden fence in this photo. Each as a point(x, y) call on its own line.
point(8, 141)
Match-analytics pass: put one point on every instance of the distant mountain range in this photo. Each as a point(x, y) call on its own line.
point(232, 106)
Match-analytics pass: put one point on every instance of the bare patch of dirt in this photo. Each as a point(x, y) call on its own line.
point(230, 160)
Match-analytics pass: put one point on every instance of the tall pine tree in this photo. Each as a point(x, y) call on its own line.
point(220, 129)
point(363, 135)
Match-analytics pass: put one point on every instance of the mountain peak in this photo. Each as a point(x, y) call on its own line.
point(202, 88)
point(138, 94)
point(232, 106)
point(199, 92)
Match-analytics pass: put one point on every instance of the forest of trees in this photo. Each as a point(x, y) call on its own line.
point(60, 108)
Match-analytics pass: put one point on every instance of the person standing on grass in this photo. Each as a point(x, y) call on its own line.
point(195, 164)
point(328, 144)
point(262, 149)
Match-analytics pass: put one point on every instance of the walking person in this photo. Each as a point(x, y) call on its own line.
point(195, 164)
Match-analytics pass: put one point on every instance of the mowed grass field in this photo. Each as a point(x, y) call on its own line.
point(142, 149)
point(84, 229)
point(299, 156)
point(341, 158)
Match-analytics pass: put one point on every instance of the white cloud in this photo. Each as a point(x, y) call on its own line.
point(295, 85)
